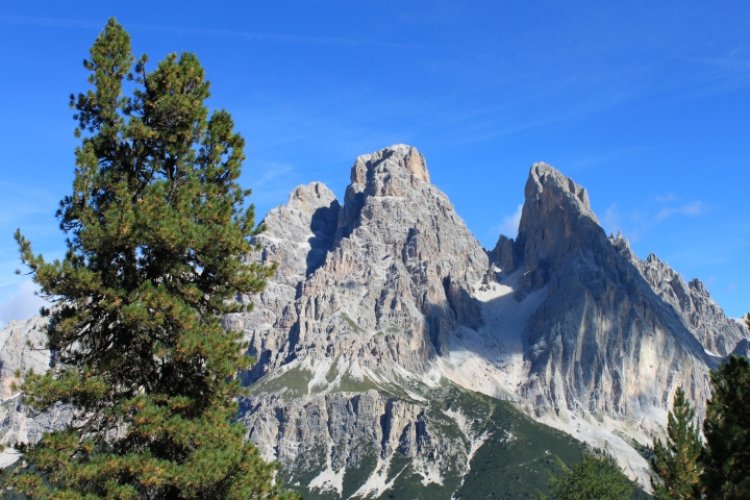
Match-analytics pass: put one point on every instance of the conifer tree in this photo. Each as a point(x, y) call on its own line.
point(594, 477)
point(726, 460)
point(156, 231)
point(676, 462)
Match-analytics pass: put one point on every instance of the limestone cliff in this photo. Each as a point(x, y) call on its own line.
point(386, 317)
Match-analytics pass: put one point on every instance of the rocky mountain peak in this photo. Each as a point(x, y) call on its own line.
point(397, 172)
point(553, 189)
point(398, 160)
point(697, 286)
point(622, 245)
point(556, 222)
point(310, 197)
point(385, 317)
point(708, 323)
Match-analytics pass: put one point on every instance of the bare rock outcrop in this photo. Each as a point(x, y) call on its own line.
point(22, 350)
point(602, 339)
point(384, 304)
point(705, 318)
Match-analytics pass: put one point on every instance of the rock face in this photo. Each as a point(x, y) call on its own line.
point(380, 282)
point(718, 334)
point(365, 298)
point(601, 330)
point(385, 313)
point(611, 337)
point(22, 350)
point(297, 240)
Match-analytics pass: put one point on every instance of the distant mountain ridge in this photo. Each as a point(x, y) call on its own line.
point(386, 317)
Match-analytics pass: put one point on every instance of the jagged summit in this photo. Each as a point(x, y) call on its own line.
point(550, 194)
point(623, 246)
point(392, 171)
point(560, 189)
point(556, 219)
point(310, 196)
point(383, 302)
point(605, 321)
point(394, 160)
point(718, 334)
point(556, 222)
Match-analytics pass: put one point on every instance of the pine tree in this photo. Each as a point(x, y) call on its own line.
point(156, 233)
point(676, 462)
point(595, 477)
point(726, 459)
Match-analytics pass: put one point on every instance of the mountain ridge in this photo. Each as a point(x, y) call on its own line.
point(384, 306)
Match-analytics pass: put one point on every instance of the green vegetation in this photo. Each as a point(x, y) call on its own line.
point(719, 468)
point(726, 457)
point(293, 382)
point(351, 384)
point(351, 323)
point(676, 461)
point(156, 233)
point(296, 382)
point(348, 383)
point(356, 476)
point(520, 455)
point(594, 477)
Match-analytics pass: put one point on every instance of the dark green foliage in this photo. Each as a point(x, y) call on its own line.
point(519, 455)
point(676, 461)
point(726, 459)
point(156, 234)
point(594, 477)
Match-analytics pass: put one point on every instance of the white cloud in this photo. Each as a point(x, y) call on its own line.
point(691, 209)
point(22, 304)
point(612, 220)
point(510, 223)
point(634, 223)
point(665, 198)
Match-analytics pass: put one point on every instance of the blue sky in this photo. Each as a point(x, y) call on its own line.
point(644, 103)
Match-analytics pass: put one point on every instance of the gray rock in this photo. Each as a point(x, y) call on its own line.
point(504, 254)
point(602, 338)
point(693, 303)
point(23, 350)
point(398, 260)
point(379, 302)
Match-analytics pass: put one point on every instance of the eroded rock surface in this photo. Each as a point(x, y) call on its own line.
point(386, 302)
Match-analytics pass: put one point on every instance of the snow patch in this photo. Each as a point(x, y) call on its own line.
point(430, 472)
point(378, 483)
point(475, 442)
point(329, 479)
point(8, 457)
point(712, 354)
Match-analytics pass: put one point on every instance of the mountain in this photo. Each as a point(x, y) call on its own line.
point(397, 357)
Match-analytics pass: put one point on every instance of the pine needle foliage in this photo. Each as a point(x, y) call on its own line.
point(726, 459)
point(156, 230)
point(676, 462)
point(596, 477)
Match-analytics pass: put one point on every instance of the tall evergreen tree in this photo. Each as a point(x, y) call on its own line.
point(156, 233)
point(726, 459)
point(676, 462)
